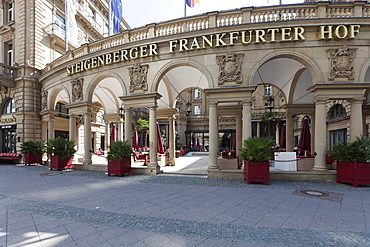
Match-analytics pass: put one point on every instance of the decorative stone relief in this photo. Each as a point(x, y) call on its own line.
point(138, 77)
point(341, 64)
point(77, 86)
point(44, 100)
point(230, 68)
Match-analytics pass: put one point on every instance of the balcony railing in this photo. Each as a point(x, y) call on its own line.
point(220, 19)
point(87, 15)
point(55, 29)
point(7, 71)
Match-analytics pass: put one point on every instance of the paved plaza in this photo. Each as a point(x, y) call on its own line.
point(39, 207)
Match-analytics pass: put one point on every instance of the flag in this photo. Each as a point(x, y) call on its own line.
point(115, 16)
point(71, 24)
point(190, 3)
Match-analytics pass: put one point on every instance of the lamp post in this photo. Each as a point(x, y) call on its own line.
point(188, 108)
point(270, 103)
point(121, 112)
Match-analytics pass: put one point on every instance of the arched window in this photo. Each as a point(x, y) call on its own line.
point(61, 110)
point(337, 111)
point(9, 107)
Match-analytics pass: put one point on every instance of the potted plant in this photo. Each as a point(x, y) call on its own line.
point(353, 161)
point(256, 155)
point(61, 152)
point(33, 151)
point(119, 158)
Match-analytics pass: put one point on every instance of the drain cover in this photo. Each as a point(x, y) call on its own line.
point(323, 195)
point(50, 174)
point(314, 193)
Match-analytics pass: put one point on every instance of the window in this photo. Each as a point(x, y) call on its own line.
point(91, 13)
point(196, 109)
point(267, 91)
point(9, 106)
point(9, 54)
point(10, 12)
point(337, 136)
point(61, 110)
point(60, 21)
point(196, 93)
point(337, 111)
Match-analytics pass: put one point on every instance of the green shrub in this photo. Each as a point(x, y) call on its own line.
point(257, 149)
point(119, 150)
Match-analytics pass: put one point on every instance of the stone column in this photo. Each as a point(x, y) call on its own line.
point(72, 127)
point(128, 125)
point(51, 132)
point(153, 165)
point(44, 131)
point(238, 133)
point(356, 119)
point(289, 133)
point(87, 138)
point(107, 136)
point(213, 137)
point(258, 129)
point(120, 130)
point(277, 135)
point(313, 134)
point(320, 136)
point(247, 120)
point(172, 141)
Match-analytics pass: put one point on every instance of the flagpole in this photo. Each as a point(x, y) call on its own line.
point(65, 25)
point(185, 8)
point(110, 24)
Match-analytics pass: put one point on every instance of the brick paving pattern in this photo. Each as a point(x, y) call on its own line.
point(39, 207)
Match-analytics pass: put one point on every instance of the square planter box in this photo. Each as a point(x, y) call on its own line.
point(353, 173)
point(32, 159)
point(58, 164)
point(119, 167)
point(257, 172)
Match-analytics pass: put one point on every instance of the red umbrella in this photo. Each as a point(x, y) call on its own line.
point(159, 141)
point(135, 140)
point(113, 134)
point(305, 137)
point(282, 139)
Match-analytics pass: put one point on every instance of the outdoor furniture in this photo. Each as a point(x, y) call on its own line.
point(228, 164)
point(305, 163)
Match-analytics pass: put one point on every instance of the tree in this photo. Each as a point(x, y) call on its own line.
point(270, 117)
point(143, 124)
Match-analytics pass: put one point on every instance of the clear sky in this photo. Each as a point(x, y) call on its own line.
point(141, 12)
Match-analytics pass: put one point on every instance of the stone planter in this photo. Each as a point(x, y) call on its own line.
point(58, 164)
point(119, 167)
point(30, 158)
point(257, 172)
point(353, 173)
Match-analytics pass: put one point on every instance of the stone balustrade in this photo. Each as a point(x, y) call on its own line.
point(221, 19)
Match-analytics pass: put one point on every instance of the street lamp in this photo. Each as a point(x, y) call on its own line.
point(121, 112)
point(188, 108)
point(79, 118)
point(270, 103)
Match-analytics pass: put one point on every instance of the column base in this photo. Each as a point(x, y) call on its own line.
point(320, 169)
point(154, 168)
point(171, 162)
point(87, 162)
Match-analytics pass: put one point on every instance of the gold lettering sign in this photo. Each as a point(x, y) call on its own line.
point(7, 120)
point(247, 37)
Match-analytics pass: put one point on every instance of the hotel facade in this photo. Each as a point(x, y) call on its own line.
point(207, 80)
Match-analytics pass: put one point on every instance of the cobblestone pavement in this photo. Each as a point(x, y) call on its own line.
point(39, 207)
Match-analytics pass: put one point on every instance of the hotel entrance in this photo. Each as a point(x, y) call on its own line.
point(9, 137)
point(198, 140)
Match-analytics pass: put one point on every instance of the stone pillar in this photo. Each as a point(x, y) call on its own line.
point(258, 129)
point(356, 119)
point(213, 137)
point(313, 134)
point(247, 120)
point(172, 141)
point(120, 130)
point(44, 131)
point(87, 138)
point(51, 132)
point(153, 165)
point(238, 133)
point(107, 136)
point(289, 133)
point(128, 125)
point(320, 136)
point(277, 135)
point(72, 127)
